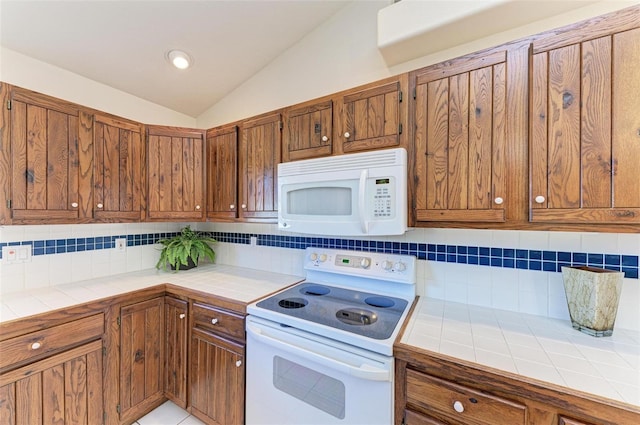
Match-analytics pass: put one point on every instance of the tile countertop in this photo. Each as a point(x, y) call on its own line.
point(546, 349)
point(237, 283)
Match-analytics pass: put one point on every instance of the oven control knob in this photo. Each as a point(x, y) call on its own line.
point(313, 256)
point(323, 258)
point(400, 266)
point(386, 264)
point(365, 263)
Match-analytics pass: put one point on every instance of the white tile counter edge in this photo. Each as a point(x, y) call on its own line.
point(545, 349)
point(236, 283)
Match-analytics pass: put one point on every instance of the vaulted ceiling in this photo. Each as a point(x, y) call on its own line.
point(123, 44)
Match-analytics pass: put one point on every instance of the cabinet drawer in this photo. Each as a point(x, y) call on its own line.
point(219, 321)
point(35, 345)
point(459, 403)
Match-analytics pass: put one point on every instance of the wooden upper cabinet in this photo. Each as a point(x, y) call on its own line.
point(118, 169)
point(308, 131)
point(5, 154)
point(175, 170)
point(222, 172)
point(371, 117)
point(259, 155)
point(460, 139)
point(50, 163)
point(585, 124)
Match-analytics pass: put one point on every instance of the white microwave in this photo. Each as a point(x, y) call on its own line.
point(346, 195)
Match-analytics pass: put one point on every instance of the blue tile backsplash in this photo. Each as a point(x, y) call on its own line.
point(504, 257)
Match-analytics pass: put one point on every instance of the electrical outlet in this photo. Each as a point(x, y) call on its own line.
point(121, 244)
point(16, 254)
point(254, 241)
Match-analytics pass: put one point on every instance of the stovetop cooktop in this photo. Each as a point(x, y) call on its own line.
point(371, 315)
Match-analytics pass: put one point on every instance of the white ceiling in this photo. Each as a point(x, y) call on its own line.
point(123, 43)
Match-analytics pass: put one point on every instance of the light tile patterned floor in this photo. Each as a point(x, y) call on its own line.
point(168, 414)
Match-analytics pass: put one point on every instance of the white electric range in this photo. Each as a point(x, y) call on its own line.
point(320, 352)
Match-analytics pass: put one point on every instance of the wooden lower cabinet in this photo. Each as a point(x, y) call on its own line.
point(460, 404)
point(141, 358)
point(217, 378)
point(65, 388)
point(175, 350)
point(414, 418)
point(433, 389)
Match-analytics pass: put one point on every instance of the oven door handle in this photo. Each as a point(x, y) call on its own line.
point(285, 342)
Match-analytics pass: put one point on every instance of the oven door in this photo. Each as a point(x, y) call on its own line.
point(294, 377)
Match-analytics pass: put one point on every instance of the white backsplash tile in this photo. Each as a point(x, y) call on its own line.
point(60, 268)
point(535, 292)
point(36, 273)
point(565, 241)
point(600, 242)
point(534, 240)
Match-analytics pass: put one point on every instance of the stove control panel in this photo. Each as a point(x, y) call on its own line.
point(364, 264)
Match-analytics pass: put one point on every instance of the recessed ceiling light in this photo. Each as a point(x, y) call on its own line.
point(179, 59)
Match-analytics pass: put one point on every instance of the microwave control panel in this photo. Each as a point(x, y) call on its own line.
point(383, 197)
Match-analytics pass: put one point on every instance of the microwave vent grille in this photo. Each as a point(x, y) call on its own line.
point(358, 161)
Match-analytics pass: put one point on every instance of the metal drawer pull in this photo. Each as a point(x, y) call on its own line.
point(239, 363)
point(35, 345)
point(458, 407)
point(214, 321)
point(182, 315)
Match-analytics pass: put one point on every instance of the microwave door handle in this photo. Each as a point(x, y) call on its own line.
point(362, 188)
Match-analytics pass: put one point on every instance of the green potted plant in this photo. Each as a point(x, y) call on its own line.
point(183, 251)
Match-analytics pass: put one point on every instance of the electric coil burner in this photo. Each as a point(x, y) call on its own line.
point(355, 297)
point(362, 313)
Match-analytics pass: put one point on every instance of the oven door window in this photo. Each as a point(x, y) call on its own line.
point(312, 387)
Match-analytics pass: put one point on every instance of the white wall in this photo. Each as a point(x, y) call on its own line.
point(29, 73)
point(342, 53)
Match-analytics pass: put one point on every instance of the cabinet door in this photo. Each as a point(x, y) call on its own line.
point(51, 174)
point(370, 118)
point(65, 389)
point(222, 172)
point(175, 352)
point(584, 144)
point(563, 420)
point(216, 379)
point(5, 155)
point(415, 418)
point(259, 156)
point(117, 178)
point(308, 131)
point(460, 121)
point(141, 354)
point(175, 171)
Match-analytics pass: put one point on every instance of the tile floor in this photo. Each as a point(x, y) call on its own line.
point(168, 414)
